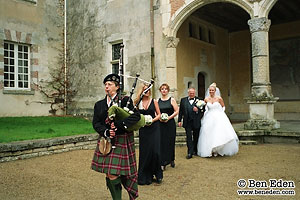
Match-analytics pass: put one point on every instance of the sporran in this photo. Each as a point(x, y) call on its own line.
point(104, 145)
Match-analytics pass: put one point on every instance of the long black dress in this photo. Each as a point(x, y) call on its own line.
point(149, 150)
point(168, 133)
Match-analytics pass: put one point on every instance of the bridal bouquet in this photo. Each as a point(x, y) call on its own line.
point(200, 103)
point(164, 116)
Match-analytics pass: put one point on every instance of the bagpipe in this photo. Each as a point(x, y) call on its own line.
point(116, 112)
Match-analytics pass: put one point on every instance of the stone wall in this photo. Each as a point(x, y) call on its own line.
point(34, 148)
point(195, 55)
point(38, 25)
point(94, 26)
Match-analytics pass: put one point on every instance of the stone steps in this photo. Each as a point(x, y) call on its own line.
point(243, 135)
point(250, 137)
point(40, 147)
point(273, 136)
point(250, 133)
point(248, 142)
point(180, 139)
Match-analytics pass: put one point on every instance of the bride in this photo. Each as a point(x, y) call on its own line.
point(217, 136)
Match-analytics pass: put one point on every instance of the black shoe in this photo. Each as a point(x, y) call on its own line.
point(172, 164)
point(189, 156)
point(145, 183)
point(159, 181)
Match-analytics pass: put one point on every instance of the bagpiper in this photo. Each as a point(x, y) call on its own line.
point(119, 164)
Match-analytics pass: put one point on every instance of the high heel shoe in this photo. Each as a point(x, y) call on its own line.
point(159, 181)
point(172, 164)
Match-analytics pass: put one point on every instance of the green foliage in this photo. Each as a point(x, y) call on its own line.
point(28, 128)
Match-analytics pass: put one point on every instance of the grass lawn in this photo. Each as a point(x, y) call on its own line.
point(28, 128)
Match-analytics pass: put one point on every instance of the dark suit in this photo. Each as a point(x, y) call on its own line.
point(191, 122)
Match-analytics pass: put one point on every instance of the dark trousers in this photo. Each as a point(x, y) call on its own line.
point(192, 135)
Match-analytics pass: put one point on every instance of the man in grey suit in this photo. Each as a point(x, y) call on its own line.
point(191, 116)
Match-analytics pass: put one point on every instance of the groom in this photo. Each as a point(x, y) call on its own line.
point(191, 121)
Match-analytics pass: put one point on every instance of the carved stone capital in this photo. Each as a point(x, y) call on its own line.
point(261, 93)
point(259, 24)
point(172, 42)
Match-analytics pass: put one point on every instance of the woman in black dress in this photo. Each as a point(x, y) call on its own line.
point(149, 141)
point(168, 106)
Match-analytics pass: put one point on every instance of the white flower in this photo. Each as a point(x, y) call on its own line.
point(148, 120)
point(200, 103)
point(164, 116)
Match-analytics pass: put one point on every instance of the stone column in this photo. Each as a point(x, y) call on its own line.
point(171, 71)
point(261, 103)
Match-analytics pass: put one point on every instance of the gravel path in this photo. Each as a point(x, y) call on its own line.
point(68, 175)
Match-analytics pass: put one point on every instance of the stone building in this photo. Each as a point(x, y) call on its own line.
point(250, 48)
point(30, 42)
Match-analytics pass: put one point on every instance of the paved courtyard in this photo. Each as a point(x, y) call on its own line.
point(68, 175)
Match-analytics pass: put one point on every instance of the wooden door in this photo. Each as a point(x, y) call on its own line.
point(201, 85)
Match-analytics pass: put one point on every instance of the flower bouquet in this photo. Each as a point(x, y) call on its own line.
point(200, 103)
point(148, 120)
point(164, 116)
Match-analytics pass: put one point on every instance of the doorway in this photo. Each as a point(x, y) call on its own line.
point(201, 85)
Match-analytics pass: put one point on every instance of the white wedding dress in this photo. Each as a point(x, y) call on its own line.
point(216, 134)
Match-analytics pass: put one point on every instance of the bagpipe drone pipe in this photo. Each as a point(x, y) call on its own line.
point(116, 112)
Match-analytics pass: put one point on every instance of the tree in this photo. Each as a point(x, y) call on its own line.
point(58, 88)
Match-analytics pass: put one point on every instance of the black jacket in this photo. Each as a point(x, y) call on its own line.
point(195, 118)
point(101, 124)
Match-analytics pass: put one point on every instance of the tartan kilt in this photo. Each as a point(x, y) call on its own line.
point(120, 161)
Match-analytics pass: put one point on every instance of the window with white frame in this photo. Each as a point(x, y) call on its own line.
point(115, 57)
point(16, 66)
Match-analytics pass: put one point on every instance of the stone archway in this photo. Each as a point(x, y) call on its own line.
point(171, 39)
point(267, 7)
point(182, 13)
point(170, 32)
point(284, 48)
point(261, 108)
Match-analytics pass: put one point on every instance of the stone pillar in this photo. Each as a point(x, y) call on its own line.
point(261, 103)
point(171, 71)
